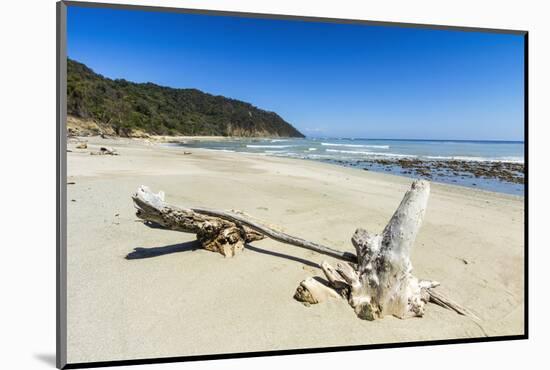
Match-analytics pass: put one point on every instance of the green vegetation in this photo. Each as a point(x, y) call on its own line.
point(127, 106)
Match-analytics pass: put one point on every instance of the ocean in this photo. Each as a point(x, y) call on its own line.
point(489, 165)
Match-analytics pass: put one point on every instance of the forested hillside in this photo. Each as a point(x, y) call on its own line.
point(126, 106)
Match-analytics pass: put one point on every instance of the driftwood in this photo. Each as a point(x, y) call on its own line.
point(217, 225)
point(105, 151)
point(312, 291)
point(214, 233)
point(381, 283)
point(376, 282)
point(446, 302)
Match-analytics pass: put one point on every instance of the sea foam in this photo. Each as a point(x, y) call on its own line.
point(357, 145)
point(269, 146)
point(374, 154)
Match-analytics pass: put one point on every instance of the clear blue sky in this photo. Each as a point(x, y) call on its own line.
point(333, 80)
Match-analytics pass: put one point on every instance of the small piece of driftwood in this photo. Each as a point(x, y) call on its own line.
point(446, 302)
point(105, 151)
point(376, 282)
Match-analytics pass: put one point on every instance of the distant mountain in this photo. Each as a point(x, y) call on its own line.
point(125, 107)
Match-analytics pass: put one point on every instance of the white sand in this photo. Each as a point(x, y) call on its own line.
point(191, 302)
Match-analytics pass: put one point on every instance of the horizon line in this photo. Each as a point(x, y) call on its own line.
point(394, 139)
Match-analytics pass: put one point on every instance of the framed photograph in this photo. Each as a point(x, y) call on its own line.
point(238, 185)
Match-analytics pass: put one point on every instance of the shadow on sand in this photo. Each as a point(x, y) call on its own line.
point(282, 255)
point(140, 253)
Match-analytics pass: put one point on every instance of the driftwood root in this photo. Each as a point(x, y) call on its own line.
point(215, 234)
point(381, 283)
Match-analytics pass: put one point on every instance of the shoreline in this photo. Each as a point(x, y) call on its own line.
point(172, 298)
point(160, 142)
point(383, 173)
point(489, 175)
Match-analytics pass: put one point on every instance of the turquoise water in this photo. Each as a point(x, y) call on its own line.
point(369, 153)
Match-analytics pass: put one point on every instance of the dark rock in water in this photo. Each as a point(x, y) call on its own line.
point(501, 171)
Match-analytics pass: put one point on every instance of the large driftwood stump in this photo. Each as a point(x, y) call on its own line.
point(381, 283)
point(384, 284)
point(376, 282)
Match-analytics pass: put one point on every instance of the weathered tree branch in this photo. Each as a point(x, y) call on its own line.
point(441, 300)
point(277, 235)
point(151, 207)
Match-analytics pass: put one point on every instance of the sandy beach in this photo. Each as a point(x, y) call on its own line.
point(172, 299)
